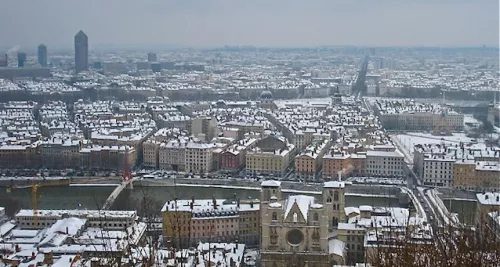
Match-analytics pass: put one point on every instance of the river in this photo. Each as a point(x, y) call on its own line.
point(92, 197)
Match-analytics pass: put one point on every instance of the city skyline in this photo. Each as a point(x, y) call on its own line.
point(276, 24)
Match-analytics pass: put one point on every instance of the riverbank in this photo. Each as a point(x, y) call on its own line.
point(287, 186)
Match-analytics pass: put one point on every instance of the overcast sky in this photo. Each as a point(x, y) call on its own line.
point(251, 22)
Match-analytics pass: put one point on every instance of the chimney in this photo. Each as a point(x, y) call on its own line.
point(238, 203)
point(67, 230)
point(251, 204)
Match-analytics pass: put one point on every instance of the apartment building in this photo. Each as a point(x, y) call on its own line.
point(486, 203)
point(204, 127)
point(60, 153)
point(344, 163)
point(369, 228)
point(150, 154)
point(411, 116)
point(487, 176)
point(309, 163)
point(198, 157)
point(438, 171)
point(422, 121)
point(109, 219)
point(233, 157)
point(462, 166)
point(249, 126)
point(187, 222)
point(353, 234)
point(303, 138)
point(97, 157)
point(271, 156)
point(172, 155)
point(19, 156)
point(464, 175)
point(385, 164)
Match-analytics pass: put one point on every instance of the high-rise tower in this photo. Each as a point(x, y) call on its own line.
point(21, 59)
point(81, 52)
point(152, 57)
point(42, 55)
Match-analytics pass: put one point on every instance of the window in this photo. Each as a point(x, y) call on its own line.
point(275, 216)
point(295, 217)
point(336, 196)
point(315, 217)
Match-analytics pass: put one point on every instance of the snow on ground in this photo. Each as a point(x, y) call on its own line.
point(449, 219)
point(377, 180)
point(469, 119)
point(418, 205)
point(407, 141)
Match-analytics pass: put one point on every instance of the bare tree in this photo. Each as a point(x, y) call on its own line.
point(451, 247)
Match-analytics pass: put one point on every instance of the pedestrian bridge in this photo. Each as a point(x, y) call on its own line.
point(129, 184)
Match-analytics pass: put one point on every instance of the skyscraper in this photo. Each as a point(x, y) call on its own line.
point(4, 61)
point(21, 58)
point(152, 57)
point(42, 55)
point(81, 52)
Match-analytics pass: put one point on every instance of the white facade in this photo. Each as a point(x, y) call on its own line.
point(111, 220)
point(438, 172)
point(385, 163)
point(198, 157)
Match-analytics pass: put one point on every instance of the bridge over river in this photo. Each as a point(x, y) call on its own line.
point(129, 184)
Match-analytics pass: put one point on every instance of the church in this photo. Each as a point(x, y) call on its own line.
point(299, 231)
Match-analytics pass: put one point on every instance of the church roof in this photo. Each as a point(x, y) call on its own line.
point(303, 203)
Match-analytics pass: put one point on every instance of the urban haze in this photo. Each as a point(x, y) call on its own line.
point(249, 133)
point(282, 23)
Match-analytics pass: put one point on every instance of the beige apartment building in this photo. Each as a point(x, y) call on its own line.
point(198, 157)
point(422, 121)
point(60, 154)
point(271, 156)
point(150, 150)
point(172, 155)
point(308, 164)
point(464, 174)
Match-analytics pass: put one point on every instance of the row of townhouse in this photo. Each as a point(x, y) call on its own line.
point(66, 154)
point(460, 166)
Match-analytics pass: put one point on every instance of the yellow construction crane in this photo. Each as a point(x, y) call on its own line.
point(34, 197)
point(442, 126)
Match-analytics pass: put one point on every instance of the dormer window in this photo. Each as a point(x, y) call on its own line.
point(274, 216)
point(295, 217)
point(315, 217)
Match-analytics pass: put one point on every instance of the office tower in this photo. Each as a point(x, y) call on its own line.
point(21, 58)
point(81, 52)
point(42, 55)
point(152, 57)
point(4, 61)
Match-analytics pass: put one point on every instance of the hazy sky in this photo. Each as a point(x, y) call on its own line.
point(251, 22)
